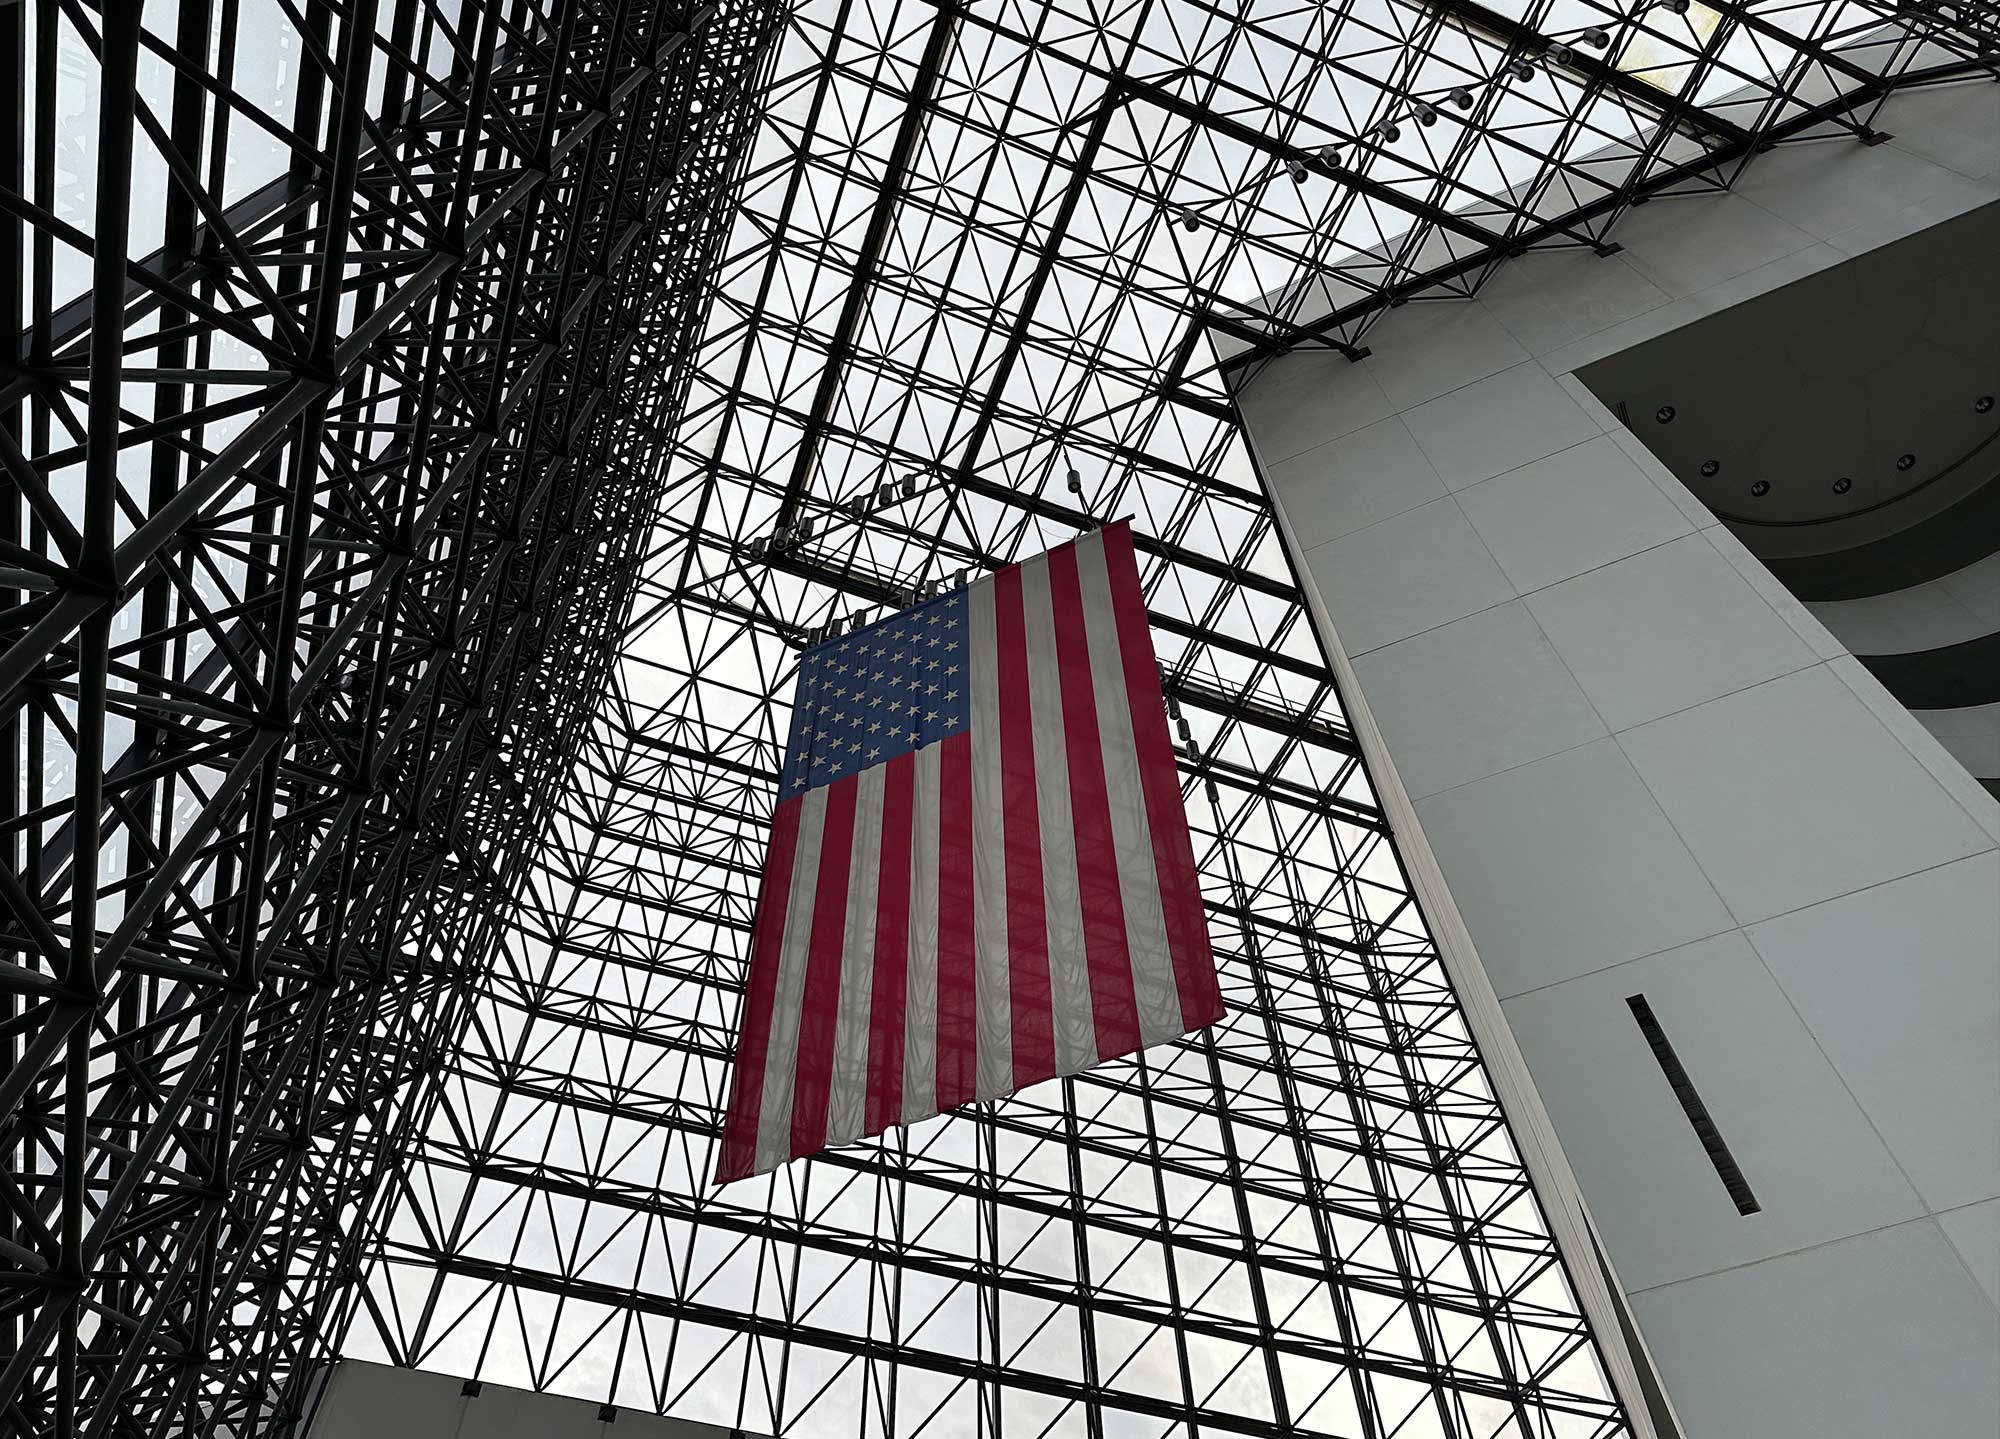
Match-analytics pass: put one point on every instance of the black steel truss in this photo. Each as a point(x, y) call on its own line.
point(403, 619)
point(331, 421)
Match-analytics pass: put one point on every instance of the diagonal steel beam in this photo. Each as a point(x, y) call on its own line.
point(868, 265)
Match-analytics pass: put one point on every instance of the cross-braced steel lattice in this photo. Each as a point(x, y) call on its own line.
point(341, 340)
point(981, 246)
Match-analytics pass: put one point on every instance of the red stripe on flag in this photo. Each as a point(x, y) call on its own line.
point(1027, 917)
point(1112, 1005)
point(888, 992)
point(957, 982)
point(746, 1090)
point(819, 1002)
point(1159, 780)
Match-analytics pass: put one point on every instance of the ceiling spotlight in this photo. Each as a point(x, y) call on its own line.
point(757, 547)
point(1426, 115)
point(909, 487)
point(1981, 405)
point(1389, 131)
point(1329, 155)
point(1298, 170)
point(1190, 221)
point(1075, 483)
point(1675, 7)
point(1710, 469)
point(1842, 485)
point(1519, 69)
point(1665, 414)
point(1461, 97)
point(1596, 37)
point(1559, 54)
point(1906, 461)
point(803, 530)
point(1761, 488)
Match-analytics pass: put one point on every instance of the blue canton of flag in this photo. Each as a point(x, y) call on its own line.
point(895, 686)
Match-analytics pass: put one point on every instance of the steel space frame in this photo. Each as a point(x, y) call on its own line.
point(323, 477)
point(983, 246)
point(398, 1000)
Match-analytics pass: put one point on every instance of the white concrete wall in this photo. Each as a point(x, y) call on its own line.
point(1954, 608)
point(376, 1401)
point(1971, 735)
point(1645, 768)
point(1963, 605)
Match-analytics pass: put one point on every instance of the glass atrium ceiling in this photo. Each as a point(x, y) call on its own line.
point(980, 247)
point(963, 268)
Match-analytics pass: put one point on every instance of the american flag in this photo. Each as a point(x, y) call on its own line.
point(979, 874)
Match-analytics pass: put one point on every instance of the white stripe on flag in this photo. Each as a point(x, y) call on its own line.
point(774, 1114)
point(1069, 973)
point(846, 1099)
point(1153, 986)
point(993, 977)
point(920, 1010)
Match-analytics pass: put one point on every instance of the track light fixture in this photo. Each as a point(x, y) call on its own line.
point(1389, 132)
point(1519, 69)
point(1461, 97)
point(909, 487)
point(1297, 168)
point(1075, 482)
point(1329, 155)
point(1426, 114)
point(1190, 221)
point(1559, 54)
point(1596, 37)
point(1675, 7)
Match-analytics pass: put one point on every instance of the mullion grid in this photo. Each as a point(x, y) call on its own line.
point(1345, 1071)
point(622, 896)
point(291, 940)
